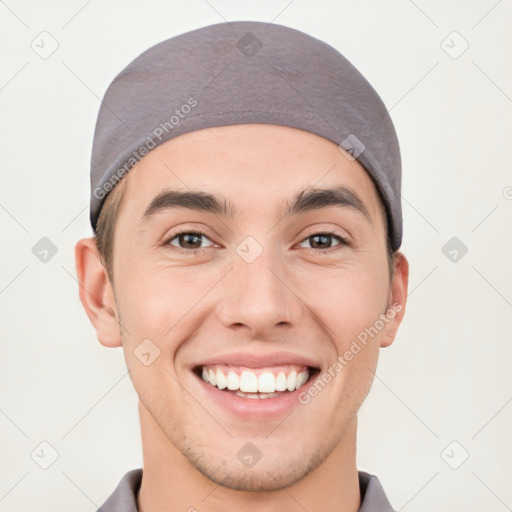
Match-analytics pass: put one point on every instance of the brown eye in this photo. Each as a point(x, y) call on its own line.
point(321, 241)
point(191, 240)
point(324, 241)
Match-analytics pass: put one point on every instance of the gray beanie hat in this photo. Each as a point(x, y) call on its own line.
point(237, 73)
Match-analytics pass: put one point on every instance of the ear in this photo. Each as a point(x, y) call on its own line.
point(96, 293)
point(397, 299)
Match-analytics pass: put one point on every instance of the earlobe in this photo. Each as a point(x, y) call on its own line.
point(96, 293)
point(397, 299)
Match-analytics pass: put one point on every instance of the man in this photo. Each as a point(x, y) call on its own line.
point(246, 206)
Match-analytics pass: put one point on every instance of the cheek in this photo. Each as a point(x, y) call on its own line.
point(154, 306)
point(347, 300)
point(154, 302)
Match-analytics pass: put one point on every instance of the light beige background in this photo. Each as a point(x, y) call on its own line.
point(446, 378)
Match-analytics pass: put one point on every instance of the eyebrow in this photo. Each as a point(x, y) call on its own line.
point(304, 201)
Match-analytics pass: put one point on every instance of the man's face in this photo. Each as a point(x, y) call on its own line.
point(255, 290)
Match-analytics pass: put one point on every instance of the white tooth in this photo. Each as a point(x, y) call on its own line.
point(221, 380)
point(291, 380)
point(211, 377)
point(233, 382)
point(248, 382)
point(205, 375)
point(256, 395)
point(268, 395)
point(302, 378)
point(266, 382)
point(281, 381)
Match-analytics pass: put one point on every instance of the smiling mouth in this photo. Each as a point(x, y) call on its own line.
point(260, 383)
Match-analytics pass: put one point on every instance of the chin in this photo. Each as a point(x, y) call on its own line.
point(266, 478)
point(270, 473)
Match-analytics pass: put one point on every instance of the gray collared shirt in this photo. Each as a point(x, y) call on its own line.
point(124, 497)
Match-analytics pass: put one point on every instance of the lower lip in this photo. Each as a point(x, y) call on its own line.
point(255, 408)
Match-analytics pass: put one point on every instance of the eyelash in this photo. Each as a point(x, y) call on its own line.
point(343, 241)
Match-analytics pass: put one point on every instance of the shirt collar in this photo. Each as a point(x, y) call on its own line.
point(123, 499)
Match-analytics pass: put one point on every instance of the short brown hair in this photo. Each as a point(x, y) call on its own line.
point(104, 234)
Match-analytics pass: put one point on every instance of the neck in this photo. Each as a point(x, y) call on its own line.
point(171, 483)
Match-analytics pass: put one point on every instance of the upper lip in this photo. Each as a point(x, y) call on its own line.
point(252, 360)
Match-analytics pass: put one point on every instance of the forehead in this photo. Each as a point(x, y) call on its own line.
point(252, 164)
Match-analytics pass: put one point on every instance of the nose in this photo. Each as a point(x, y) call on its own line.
point(259, 296)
